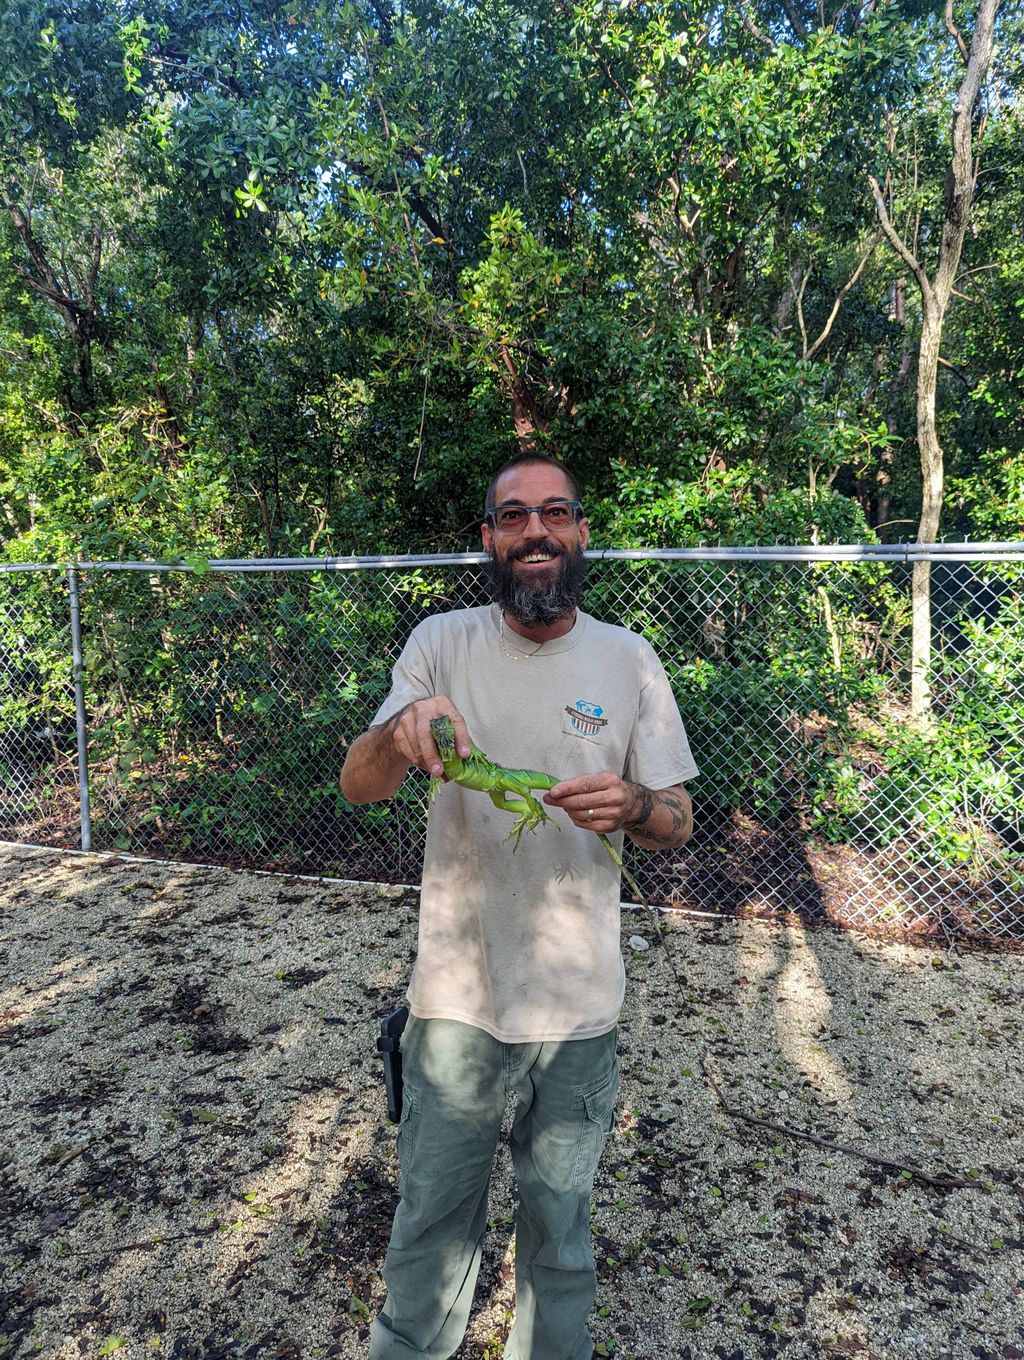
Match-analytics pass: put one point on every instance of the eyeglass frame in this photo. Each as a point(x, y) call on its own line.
point(491, 516)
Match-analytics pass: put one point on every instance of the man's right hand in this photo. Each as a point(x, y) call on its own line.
point(379, 760)
point(411, 735)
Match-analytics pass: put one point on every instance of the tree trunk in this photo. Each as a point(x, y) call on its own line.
point(81, 318)
point(932, 487)
point(935, 296)
point(526, 414)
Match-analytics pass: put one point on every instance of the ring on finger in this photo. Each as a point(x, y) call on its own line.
point(590, 814)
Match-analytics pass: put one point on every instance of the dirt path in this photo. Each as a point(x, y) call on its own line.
point(195, 1161)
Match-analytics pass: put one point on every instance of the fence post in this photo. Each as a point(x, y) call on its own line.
point(82, 734)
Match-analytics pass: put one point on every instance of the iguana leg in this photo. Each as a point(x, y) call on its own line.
point(518, 798)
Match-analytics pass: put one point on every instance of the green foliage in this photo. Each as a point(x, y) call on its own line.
point(993, 495)
point(37, 707)
point(780, 644)
point(309, 266)
point(220, 706)
point(950, 793)
point(727, 506)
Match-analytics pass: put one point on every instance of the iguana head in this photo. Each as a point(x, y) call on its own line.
point(443, 732)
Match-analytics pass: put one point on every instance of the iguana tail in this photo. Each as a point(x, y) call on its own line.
point(618, 860)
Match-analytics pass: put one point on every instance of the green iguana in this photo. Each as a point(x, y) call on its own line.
point(509, 790)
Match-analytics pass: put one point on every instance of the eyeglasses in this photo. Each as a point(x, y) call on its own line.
point(553, 515)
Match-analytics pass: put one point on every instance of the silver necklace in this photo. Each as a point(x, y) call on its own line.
point(513, 656)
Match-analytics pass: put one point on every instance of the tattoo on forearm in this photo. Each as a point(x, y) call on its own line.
point(673, 804)
point(680, 813)
point(645, 809)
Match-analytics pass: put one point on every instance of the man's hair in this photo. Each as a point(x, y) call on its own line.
point(523, 460)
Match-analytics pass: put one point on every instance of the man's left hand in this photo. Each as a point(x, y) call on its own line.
point(657, 819)
point(596, 802)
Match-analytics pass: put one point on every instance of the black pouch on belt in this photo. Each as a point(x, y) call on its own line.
point(389, 1047)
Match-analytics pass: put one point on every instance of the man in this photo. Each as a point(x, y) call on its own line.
point(519, 978)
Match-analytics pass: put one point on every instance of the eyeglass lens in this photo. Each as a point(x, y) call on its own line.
point(554, 515)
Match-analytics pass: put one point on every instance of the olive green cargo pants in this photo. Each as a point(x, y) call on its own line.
point(457, 1079)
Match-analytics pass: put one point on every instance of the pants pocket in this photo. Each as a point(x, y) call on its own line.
point(406, 1139)
point(597, 1107)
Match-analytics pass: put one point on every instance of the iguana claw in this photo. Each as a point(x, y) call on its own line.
point(529, 820)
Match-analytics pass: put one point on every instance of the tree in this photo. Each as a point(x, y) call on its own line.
point(293, 278)
point(936, 290)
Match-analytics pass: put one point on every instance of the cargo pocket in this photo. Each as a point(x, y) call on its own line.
point(597, 1105)
point(406, 1140)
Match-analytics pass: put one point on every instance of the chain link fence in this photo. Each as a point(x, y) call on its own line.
point(213, 709)
point(38, 780)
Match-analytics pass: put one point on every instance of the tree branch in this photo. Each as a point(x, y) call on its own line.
point(420, 210)
point(891, 1163)
point(944, 363)
point(978, 269)
point(94, 266)
point(798, 299)
point(895, 239)
point(522, 171)
point(423, 420)
point(526, 414)
point(795, 22)
point(963, 171)
point(47, 281)
point(385, 19)
point(954, 32)
point(754, 31)
point(842, 293)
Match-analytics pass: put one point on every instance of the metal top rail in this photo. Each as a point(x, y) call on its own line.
point(833, 552)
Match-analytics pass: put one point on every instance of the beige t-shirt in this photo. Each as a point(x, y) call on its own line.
point(526, 945)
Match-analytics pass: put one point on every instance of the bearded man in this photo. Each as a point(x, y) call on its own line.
point(519, 979)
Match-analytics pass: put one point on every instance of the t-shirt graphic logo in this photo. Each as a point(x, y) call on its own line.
point(585, 719)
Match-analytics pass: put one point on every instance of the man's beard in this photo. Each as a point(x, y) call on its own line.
point(543, 602)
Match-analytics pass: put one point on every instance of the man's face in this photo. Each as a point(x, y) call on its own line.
point(536, 572)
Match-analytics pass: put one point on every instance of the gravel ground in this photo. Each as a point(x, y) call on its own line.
point(195, 1160)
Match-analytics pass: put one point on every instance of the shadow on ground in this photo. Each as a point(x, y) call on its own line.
point(196, 1161)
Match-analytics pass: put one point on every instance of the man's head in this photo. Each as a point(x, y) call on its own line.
point(527, 460)
point(536, 565)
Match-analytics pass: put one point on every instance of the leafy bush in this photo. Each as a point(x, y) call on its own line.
point(766, 661)
point(950, 791)
point(224, 703)
point(737, 505)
